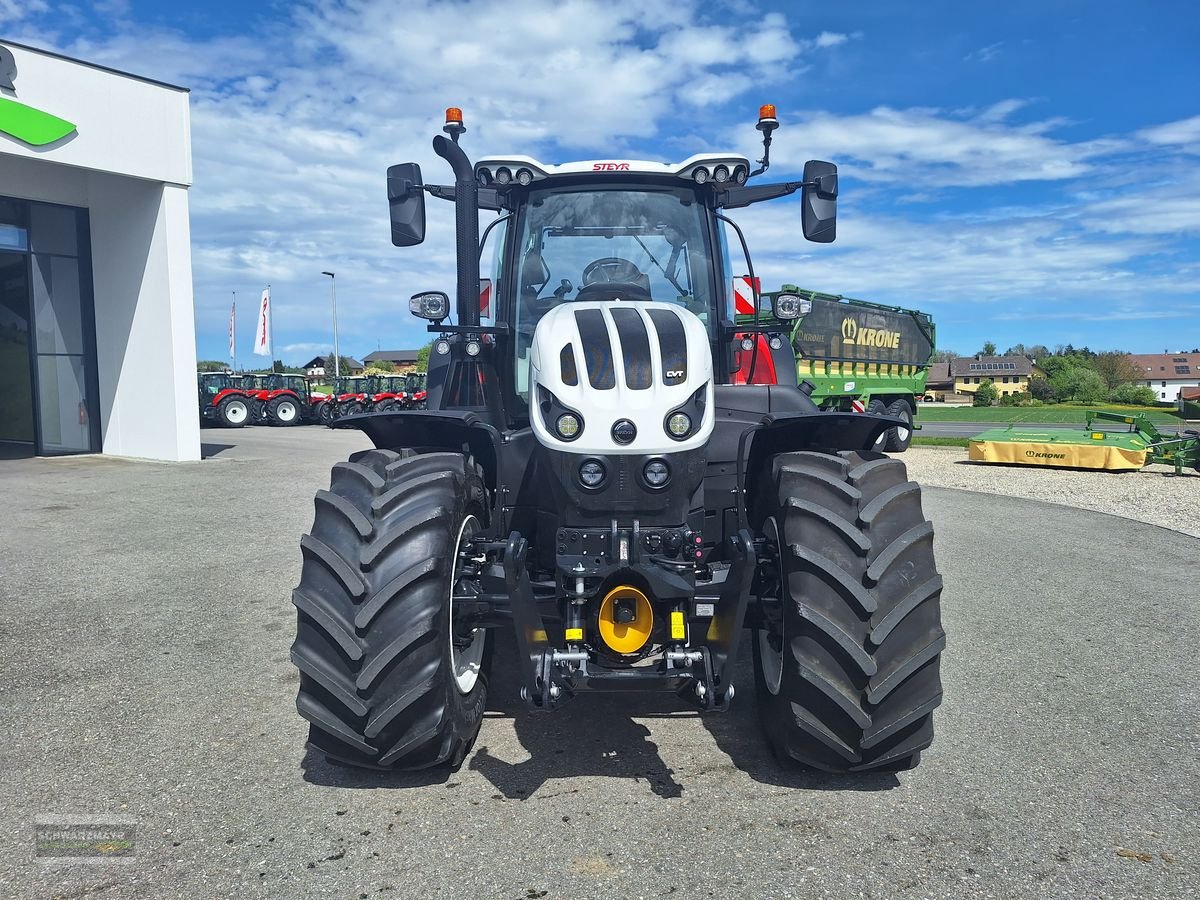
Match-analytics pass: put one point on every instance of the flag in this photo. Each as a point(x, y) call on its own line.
point(232, 318)
point(262, 334)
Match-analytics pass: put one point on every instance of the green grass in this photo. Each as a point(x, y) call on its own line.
point(1059, 412)
point(919, 441)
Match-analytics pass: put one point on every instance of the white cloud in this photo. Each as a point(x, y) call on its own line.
point(984, 54)
point(1185, 134)
point(831, 39)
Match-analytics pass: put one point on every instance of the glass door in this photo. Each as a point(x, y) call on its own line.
point(16, 373)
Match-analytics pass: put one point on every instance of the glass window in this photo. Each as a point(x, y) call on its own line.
point(14, 232)
point(63, 408)
point(53, 229)
point(56, 304)
point(651, 242)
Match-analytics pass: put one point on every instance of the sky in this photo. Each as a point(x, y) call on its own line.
point(1025, 172)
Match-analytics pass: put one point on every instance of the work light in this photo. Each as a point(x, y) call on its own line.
point(679, 424)
point(591, 473)
point(568, 426)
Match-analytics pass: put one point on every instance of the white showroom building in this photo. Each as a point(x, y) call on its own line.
point(97, 337)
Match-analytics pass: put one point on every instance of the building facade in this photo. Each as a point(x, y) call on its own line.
point(1008, 374)
point(1167, 373)
point(320, 366)
point(97, 338)
point(402, 360)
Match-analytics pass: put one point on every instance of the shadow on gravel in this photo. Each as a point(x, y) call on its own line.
point(208, 451)
point(595, 734)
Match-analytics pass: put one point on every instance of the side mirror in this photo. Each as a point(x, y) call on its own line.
point(431, 305)
point(406, 198)
point(820, 201)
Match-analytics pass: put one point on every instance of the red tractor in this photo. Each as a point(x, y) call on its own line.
point(290, 400)
point(351, 393)
point(390, 393)
point(417, 396)
point(254, 388)
point(222, 403)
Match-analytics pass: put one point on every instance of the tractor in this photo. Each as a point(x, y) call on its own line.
point(290, 400)
point(388, 393)
point(590, 475)
point(255, 389)
point(415, 388)
point(221, 402)
point(350, 395)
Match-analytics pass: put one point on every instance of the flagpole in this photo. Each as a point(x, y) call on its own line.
point(271, 326)
point(233, 328)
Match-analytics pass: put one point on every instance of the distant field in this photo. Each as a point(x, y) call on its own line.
point(933, 412)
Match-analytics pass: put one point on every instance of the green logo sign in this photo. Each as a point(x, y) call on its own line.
point(32, 126)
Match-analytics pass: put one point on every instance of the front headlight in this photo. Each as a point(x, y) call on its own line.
point(592, 474)
point(679, 425)
point(656, 473)
point(568, 426)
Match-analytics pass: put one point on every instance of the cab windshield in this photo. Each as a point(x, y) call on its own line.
point(609, 244)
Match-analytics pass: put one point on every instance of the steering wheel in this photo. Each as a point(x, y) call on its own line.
point(610, 269)
point(613, 278)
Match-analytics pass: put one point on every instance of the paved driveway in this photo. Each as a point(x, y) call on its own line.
point(144, 630)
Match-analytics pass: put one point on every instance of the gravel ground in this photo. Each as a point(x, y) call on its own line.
point(144, 674)
point(1154, 495)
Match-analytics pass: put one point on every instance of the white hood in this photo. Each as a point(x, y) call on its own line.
point(613, 360)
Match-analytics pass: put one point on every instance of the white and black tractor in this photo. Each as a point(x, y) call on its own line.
point(589, 475)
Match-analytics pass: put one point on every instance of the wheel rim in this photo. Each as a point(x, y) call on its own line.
point(286, 412)
point(468, 660)
point(236, 411)
point(772, 641)
point(902, 433)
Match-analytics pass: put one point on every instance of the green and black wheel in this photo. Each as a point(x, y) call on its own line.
point(848, 651)
point(390, 677)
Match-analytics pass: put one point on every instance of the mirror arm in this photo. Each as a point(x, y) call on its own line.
point(466, 220)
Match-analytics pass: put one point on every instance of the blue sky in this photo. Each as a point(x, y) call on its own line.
point(1027, 171)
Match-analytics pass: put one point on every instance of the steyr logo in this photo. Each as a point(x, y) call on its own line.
point(610, 167)
point(26, 124)
point(869, 337)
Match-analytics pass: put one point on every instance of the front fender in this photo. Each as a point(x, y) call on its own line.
point(457, 431)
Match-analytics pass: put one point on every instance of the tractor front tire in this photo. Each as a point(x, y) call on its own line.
point(284, 410)
point(324, 412)
point(899, 439)
point(847, 657)
point(234, 412)
point(384, 683)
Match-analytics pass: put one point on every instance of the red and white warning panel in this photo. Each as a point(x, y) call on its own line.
point(743, 294)
point(858, 406)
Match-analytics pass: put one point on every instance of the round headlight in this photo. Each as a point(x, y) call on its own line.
point(776, 342)
point(524, 176)
point(484, 176)
point(739, 174)
point(656, 473)
point(568, 426)
point(503, 175)
point(679, 424)
point(701, 175)
point(473, 348)
point(442, 347)
point(591, 474)
point(721, 174)
point(747, 344)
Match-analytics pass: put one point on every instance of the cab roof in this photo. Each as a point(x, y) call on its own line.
point(501, 170)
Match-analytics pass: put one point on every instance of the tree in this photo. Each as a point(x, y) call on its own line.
point(211, 365)
point(1037, 352)
point(989, 349)
point(382, 366)
point(1080, 383)
point(1015, 350)
point(1115, 367)
point(278, 366)
point(945, 356)
point(985, 394)
point(346, 364)
point(423, 357)
point(1133, 395)
point(1042, 389)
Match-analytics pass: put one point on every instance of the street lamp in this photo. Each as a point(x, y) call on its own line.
point(337, 362)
